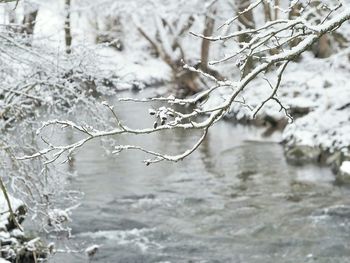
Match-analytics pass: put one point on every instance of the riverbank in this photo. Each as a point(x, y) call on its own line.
point(17, 246)
point(316, 93)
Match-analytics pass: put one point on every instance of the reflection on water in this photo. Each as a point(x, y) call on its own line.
point(234, 200)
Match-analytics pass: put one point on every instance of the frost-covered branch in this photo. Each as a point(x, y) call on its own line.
point(269, 46)
point(274, 89)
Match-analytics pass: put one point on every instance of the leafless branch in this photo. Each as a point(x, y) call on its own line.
point(274, 34)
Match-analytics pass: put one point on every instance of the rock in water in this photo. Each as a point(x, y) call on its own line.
point(343, 175)
point(301, 154)
point(92, 250)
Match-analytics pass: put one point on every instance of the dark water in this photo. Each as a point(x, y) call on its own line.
point(234, 200)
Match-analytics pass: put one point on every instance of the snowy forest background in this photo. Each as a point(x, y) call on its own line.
point(64, 62)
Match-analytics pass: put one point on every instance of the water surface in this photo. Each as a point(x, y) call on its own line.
point(234, 200)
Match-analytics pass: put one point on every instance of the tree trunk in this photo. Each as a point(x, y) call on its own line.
point(246, 19)
point(67, 27)
point(295, 12)
point(208, 31)
point(267, 11)
point(271, 15)
point(277, 3)
point(323, 48)
point(29, 21)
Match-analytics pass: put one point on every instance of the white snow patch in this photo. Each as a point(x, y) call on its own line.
point(345, 167)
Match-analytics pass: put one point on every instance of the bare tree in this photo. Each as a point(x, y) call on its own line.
point(166, 42)
point(32, 77)
point(67, 26)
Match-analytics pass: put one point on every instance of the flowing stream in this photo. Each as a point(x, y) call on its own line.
point(236, 199)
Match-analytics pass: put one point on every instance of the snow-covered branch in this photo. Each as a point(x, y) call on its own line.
point(269, 46)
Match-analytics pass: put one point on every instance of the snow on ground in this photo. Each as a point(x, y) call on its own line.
point(134, 65)
point(4, 210)
point(316, 90)
point(328, 124)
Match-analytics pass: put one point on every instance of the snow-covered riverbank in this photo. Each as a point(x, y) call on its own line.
point(16, 245)
point(316, 92)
